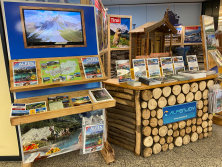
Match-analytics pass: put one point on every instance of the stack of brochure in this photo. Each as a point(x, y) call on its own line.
point(215, 99)
point(194, 74)
point(149, 81)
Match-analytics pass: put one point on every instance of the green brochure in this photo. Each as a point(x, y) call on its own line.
point(50, 71)
point(70, 70)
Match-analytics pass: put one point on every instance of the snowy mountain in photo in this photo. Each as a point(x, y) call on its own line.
point(53, 27)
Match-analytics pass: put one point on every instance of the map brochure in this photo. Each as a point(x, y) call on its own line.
point(54, 104)
point(24, 73)
point(79, 101)
point(19, 109)
point(70, 70)
point(38, 107)
point(100, 95)
point(65, 101)
point(167, 66)
point(192, 63)
point(93, 138)
point(123, 70)
point(50, 71)
point(216, 55)
point(153, 67)
point(178, 64)
point(139, 67)
point(91, 67)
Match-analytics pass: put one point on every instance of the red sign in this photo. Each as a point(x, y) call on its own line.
point(98, 5)
point(115, 20)
point(191, 28)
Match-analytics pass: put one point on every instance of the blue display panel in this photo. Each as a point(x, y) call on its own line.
point(42, 92)
point(16, 46)
point(179, 112)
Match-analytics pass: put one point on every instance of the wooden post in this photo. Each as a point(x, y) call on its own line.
point(138, 123)
point(147, 44)
point(170, 41)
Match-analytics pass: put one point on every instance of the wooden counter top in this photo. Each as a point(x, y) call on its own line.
point(114, 82)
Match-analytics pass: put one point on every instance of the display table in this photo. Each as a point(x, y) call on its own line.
point(138, 121)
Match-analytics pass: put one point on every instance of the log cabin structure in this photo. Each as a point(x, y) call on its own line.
point(150, 37)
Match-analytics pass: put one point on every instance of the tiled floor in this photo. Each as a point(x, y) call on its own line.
point(204, 153)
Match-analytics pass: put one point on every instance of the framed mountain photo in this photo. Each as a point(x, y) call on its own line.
point(47, 27)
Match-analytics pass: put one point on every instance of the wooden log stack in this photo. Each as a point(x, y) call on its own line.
point(136, 122)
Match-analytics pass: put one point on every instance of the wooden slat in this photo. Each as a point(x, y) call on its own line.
point(40, 85)
point(114, 82)
point(217, 119)
point(61, 112)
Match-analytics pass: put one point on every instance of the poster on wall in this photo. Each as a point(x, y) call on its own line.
point(105, 29)
point(176, 38)
point(208, 24)
point(48, 138)
point(119, 32)
point(192, 34)
point(99, 22)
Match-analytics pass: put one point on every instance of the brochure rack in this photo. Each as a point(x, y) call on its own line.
point(56, 84)
point(18, 120)
point(40, 92)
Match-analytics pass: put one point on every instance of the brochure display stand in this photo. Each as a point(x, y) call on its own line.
point(50, 72)
point(145, 119)
point(119, 41)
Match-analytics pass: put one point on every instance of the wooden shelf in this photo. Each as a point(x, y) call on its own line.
point(56, 84)
point(114, 82)
point(61, 112)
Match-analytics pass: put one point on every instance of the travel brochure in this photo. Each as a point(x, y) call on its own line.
point(167, 66)
point(93, 138)
point(153, 67)
point(216, 55)
point(178, 64)
point(139, 67)
point(58, 102)
point(52, 71)
point(27, 109)
point(100, 95)
point(79, 101)
point(24, 73)
point(91, 67)
point(60, 70)
point(123, 70)
point(192, 63)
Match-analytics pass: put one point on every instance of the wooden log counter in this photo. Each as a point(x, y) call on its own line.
point(136, 122)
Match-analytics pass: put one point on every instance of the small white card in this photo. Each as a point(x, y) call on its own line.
point(178, 64)
point(153, 67)
point(192, 63)
point(167, 65)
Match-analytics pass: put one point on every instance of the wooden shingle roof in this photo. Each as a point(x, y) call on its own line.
point(165, 25)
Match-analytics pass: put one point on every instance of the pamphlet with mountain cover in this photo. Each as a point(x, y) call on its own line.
point(100, 95)
point(216, 55)
point(19, 109)
point(93, 138)
point(139, 67)
point(167, 65)
point(209, 32)
point(50, 71)
point(38, 107)
point(91, 67)
point(192, 63)
point(178, 64)
point(123, 70)
point(70, 70)
point(24, 73)
point(79, 101)
point(153, 67)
